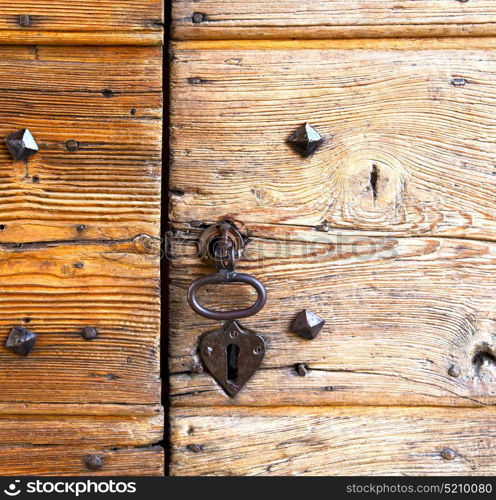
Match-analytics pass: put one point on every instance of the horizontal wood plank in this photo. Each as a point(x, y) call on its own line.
point(333, 441)
point(422, 120)
point(67, 461)
point(100, 431)
point(56, 290)
point(108, 100)
point(75, 409)
point(399, 312)
point(107, 22)
point(224, 19)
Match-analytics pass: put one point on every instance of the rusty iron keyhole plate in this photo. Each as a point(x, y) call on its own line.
point(232, 355)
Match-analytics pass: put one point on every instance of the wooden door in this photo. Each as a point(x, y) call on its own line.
point(386, 232)
point(79, 237)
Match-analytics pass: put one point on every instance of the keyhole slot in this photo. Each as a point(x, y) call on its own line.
point(232, 351)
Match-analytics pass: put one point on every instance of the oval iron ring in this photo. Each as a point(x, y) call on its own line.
point(227, 277)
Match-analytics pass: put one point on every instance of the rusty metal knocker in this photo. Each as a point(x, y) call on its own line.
point(231, 353)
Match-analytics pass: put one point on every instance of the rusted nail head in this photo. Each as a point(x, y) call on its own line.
point(454, 371)
point(93, 462)
point(196, 448)
point(198, 17)
point(448, 454)
point(89, 333)
point(301, 369)
point(71, 145)
point(24, 20)
point(197, 368)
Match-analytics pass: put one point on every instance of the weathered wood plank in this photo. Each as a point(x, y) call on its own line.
point(399, 313)
point(100, 431)
point(74, 409)
point(422, 119)
point(67, 461)
point(224, 19)
point(108, 22)
point(332, 441)
point(109, 101)
point(55, 291)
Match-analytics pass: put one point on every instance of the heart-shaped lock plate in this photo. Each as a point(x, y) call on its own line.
point(232, 355)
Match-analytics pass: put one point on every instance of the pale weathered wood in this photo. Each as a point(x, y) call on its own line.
point(399, 313)
point(424, 118)
point(332, 441)
point(101, 431)
point(67, 461)
point(57, 289)
point(107, 99)
point(225, 19)
point(107, 22)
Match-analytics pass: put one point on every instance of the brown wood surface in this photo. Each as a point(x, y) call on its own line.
point(430, 139)
point(332, 441)
point(79, 237)
point(255, 19)
point(70, 461)
point(399, 312)
point(100, 431)
point(45, 289)
point(388, 233)
point(106, 22)
point(107, 99)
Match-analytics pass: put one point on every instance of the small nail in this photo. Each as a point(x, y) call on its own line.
point(93, 462)
point(301, 369)
point(458, 82)
point(198, 17)
point(322, 227)
point(454, 371)
point(196, 368)
point(89, 333)
point(24, 20)
point(448, 454)
point(196, 448)
point(72, 145)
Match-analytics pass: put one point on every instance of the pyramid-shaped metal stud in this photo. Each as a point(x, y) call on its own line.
point(307, 324)
point(20, 341)
point(305, 140)
point(21, 144)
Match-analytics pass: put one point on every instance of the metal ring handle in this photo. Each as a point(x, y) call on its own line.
point(227, 277)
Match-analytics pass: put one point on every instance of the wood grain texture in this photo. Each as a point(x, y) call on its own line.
point(75, 409)
point(332, 441)
point(67, 461)
point(57, 289)
point(100, 431)
point(107, 22)
point(399, 312)
point(224, 19)
point(109, 101)
point(423, 119)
